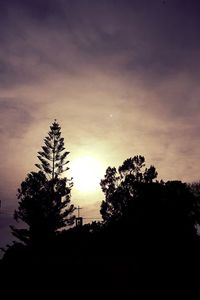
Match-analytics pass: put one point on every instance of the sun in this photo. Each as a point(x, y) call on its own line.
point(87, 171)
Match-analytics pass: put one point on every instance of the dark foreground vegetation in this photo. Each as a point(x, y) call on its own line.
point(147, 245)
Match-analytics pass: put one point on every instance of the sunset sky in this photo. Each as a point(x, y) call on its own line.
point(121, 77)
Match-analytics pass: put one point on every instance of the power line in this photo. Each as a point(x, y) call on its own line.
point(92, 218)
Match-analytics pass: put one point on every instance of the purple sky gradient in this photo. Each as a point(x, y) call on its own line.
point(82, 61)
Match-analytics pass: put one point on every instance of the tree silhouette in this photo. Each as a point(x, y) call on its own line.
point(136, 203)
point(53, 157)
point(165, 208)
point(44, 197)
point(195, 189)
point(118, 186)
point(180, 208)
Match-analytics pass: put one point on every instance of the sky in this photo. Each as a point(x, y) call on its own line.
point(121, 77)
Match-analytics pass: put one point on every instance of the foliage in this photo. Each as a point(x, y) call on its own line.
point(119, 186)
point(53, 157)
point(135, 202)
point(195, 190)
point(44, 197)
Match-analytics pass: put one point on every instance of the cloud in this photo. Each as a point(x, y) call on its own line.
point(122, 78)
point(15, 117)
point(40, 39)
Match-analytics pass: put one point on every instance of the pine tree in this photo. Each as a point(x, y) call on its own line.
point(44, 197)
point(53, 157)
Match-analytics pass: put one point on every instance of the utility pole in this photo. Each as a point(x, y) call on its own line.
point(79, 208)
point(79, 220)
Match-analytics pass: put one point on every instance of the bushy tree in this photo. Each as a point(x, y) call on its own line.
point(195, 190)
point(44, 196)
point(136, 202)
point(119, 186)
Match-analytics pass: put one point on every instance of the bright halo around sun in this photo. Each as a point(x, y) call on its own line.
point(87, 172)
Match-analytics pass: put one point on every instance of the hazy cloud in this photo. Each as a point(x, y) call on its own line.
point(121, 76)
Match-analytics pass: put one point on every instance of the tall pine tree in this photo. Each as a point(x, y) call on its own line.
point(53, 157)
point(44, 197)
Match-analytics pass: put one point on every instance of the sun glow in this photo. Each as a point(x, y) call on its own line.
point(87, 172)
